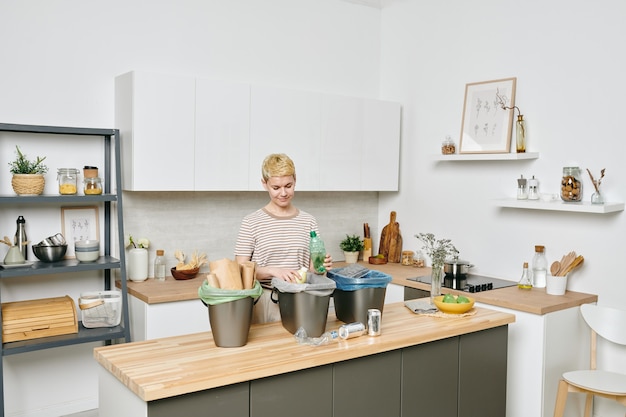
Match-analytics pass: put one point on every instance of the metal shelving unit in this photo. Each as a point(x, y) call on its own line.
point(107, 264)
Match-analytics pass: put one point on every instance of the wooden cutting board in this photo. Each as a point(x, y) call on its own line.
point(391, 240)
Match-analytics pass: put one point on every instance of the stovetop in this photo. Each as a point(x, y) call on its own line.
point(473, 283)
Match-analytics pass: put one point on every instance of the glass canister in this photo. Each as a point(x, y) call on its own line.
point(447, 146)
point(407, 257)
point(68, 180)
point(92, 186)
point(571, 184)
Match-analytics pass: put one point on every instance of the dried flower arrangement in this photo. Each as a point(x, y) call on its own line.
point(596, 183)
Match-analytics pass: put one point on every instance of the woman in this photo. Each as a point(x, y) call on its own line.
point(276, 236)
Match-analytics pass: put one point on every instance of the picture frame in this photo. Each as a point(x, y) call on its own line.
point(487, 126)
point(79, 223)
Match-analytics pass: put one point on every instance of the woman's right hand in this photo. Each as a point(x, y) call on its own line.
point(289, 275)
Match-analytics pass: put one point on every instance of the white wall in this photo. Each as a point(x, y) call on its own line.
point(570, 87)
point(59, 65)
point(59, 60)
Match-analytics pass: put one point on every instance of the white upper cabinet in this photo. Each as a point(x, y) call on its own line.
point(380, 146)
point(360, 144)
point(222, 148)
point(155, 116)
point(285, 121)
point(194, 134)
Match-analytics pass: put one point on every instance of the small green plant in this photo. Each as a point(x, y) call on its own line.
point(351, 244)
point(22, 165)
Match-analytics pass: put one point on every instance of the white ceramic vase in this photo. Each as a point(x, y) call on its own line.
point(138, 264)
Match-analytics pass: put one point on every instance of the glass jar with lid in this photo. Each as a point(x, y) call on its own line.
point(571, 184)
point(447, 146)
point(92, 186)
point(68, 180)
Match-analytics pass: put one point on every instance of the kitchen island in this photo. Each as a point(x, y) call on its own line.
point(539, 343)
point(419, 364)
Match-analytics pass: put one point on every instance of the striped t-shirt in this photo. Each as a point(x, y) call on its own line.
point(281, 242)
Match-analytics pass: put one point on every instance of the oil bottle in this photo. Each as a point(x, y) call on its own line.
point(526, 282)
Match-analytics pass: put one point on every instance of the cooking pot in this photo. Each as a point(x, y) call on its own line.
point(456, 268)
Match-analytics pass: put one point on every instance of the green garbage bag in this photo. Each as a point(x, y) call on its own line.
point(212, 296)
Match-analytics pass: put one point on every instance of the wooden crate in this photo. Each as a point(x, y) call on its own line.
point(32, 319)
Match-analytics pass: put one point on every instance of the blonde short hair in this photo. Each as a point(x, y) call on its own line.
point(277, 165)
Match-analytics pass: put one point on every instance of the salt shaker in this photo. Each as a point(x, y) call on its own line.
point(533, 189)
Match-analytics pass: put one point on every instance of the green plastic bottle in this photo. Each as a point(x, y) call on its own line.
point(318, 252)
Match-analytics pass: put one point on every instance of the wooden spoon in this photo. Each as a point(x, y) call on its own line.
point(555, 267)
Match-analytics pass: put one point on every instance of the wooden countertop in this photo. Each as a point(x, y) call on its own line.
point(167, 367)
point(535, 301)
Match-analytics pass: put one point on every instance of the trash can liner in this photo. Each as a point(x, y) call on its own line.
point(212, 296)
point(315, 284)
point(371, 279)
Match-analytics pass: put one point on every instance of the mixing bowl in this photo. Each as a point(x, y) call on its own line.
point(52, 253)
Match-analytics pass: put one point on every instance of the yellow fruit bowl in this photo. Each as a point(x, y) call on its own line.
point(453, 308)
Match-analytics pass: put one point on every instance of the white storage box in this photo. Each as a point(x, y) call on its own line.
point(101, 308)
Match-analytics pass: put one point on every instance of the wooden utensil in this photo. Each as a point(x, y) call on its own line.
point(576, 263)
point(555, 267)
point(565, 262)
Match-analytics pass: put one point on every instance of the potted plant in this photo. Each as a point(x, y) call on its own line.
point(351, 246)
point(28, 176)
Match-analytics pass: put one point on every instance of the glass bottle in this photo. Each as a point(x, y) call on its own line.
point(318, 252)
point(159, 265)
point(525, 283)
point(520, 134)
point(571, 185)
point(540, 267)
point(20, 236)
point(522, 194)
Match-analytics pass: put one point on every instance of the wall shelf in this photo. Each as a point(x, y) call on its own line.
point(581, 207)
point(111, 202)
point(487, 156)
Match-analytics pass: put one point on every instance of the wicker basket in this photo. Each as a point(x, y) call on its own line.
point(28, 184)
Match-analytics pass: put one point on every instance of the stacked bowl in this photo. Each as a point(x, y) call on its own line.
point(87, 250)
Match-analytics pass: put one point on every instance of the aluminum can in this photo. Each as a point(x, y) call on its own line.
point(348, 331)
point(373, 322)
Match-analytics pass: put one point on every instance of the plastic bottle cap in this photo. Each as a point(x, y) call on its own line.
point(313, 234)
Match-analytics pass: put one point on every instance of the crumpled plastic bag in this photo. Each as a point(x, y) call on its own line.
point(371, 279)
point(211, 295)
point(315, 284)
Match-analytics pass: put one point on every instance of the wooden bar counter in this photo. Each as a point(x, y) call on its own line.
point(159, 369)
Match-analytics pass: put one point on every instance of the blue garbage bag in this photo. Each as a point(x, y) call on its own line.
point(355, 277)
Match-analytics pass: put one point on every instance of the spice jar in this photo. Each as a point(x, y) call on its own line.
point(407, 257)
point(419, 260)
point(92, 186)
point(571, 184)
point(448, 147)
point(68, 180)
